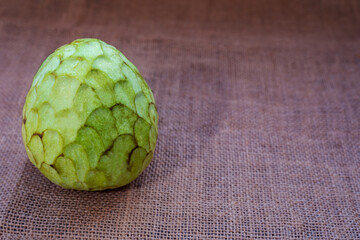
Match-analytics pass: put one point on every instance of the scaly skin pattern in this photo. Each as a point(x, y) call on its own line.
point(89, 119)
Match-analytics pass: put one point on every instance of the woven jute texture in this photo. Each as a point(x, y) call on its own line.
point(259, 120)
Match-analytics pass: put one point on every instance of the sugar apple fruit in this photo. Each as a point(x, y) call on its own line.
point(89, 119)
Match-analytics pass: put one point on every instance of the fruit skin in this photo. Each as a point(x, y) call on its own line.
point(89, 119)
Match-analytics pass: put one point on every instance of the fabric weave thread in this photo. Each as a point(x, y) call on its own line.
point(258, 107)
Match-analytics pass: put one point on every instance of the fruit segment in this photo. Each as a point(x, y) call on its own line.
point(66, 170)
point(78, 155)
point(76, 67)
point(85, 102)
point(96, 179)
point(103, 122)
point(50, 64)
point(37, 149)
point(89, 50)
point(114, 163)
point(63, 93)
point(136, 161)
point(110, 68)
point(50, 173)
point(142, 130)
point(91, 141)
point(124, 119)
point(124, 94)
point(31, 123)
point(45, 88)
point(142, 106)
point(67, 122)
point(53, 145)
point(103, 85)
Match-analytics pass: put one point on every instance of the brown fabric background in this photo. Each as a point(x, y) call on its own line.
point(259, 120)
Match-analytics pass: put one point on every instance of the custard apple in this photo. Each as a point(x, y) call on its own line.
point(89, 119)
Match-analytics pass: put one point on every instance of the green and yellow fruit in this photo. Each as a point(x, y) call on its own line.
point(89, 119)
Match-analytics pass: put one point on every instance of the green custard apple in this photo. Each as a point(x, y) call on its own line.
point(89, 119)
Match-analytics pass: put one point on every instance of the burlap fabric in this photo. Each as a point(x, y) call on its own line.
point(259, 120)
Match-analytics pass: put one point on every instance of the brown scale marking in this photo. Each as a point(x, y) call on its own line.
point(102, 72)
point(53, 166)
point(122, 105)
point(79, 58)
point(53, 73)
point(108, 149)
point(136, 141)
point(93, 90)
point(129, 157)
point(63, 75)
point(38, 134)
point(112, 144)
